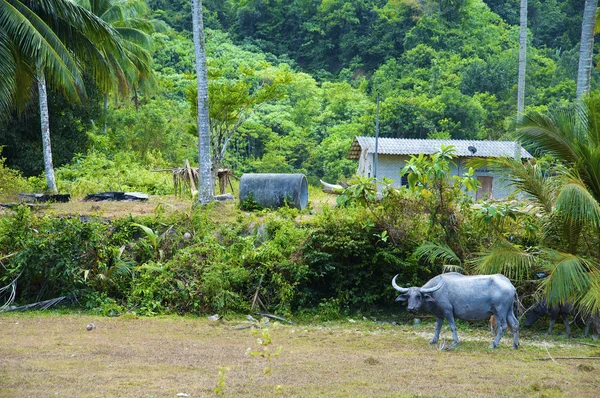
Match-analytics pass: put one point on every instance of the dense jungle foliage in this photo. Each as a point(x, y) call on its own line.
point(291, 83)
point(302, 78)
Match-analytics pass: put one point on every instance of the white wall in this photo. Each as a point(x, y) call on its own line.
point(390, 165)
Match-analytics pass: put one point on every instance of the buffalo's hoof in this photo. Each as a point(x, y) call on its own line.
point(433, 341)
point(515, 347)
point(454, 344)
point(493, 346)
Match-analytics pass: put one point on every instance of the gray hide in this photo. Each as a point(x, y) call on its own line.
point(455, 296)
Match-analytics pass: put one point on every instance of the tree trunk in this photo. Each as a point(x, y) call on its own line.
point(105, 112)
point(45, 121)
point(205, 185)
point(586, 48)
point(522, 61)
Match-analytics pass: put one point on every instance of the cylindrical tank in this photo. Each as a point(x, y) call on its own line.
point(273, 190)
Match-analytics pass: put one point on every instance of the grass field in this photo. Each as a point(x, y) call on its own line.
point(52, 354)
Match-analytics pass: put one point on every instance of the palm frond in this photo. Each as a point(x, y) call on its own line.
point(136, 36)
point(568, 276)
point(439, 252)
point(37, 41)
point(507, 259)
point(589, 114)
point(111, 14)
point(526, 177)
point(554, 134)
point(589, 304)
point(577, 204)
point(8, 71)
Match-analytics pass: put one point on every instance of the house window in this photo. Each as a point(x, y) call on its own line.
point(485, 192)
point(404, 180)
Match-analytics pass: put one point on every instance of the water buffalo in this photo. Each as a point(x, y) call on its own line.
point(453, 295)
point(541, 309)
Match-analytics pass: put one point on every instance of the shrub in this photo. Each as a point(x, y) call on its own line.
point(95, 172)
point(51, 255)
point(11, 183)
point(351, 263)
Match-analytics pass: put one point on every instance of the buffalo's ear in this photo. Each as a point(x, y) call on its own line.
point(429, 299)
point(402, 297)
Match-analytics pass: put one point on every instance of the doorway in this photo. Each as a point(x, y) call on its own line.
point(485, 192)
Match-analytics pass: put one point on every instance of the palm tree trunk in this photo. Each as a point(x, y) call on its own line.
point(105, 112)
point(205, 185)
point(45, 121)
point(586, 47)
point(522, 61)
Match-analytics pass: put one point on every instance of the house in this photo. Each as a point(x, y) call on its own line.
point(394, 152)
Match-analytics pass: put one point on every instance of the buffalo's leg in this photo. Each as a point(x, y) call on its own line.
point(452, 323)
point(566, 322)
point(552, 320)
point(588, 324)
point(438, 328)
point(501, 322)
point(514, 325)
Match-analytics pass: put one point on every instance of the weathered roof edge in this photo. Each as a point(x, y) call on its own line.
point(415, 146)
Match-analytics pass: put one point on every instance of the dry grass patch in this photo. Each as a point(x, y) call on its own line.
point(42, 355)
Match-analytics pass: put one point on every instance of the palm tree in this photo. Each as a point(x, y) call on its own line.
point(205, 185)
point(522, 60)
point(133, 30)
point(586, 47)
point(26, 41)
point(569, 201)
point(53, 39)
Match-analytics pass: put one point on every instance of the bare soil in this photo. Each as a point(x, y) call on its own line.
point(77, 207)
point(51, 354)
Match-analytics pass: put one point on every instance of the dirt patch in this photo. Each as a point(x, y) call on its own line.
point(54, 355)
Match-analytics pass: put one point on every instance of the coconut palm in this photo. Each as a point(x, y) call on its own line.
point(568, 200)
point(586, 50)
point(51, 40)
point(205, 185)
point(522, 59)
point(126, 17)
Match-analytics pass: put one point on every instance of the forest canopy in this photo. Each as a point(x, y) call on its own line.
point(443, 69)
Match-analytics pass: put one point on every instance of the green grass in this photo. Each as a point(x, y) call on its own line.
point(53, 354)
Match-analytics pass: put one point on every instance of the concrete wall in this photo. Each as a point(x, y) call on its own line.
point(390, 165)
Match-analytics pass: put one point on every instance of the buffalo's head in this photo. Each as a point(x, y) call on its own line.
point(534, 313)
point(415, 296)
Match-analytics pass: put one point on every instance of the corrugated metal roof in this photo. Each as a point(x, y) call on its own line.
point(409, 146)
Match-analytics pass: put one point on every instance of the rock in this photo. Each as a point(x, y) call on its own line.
point(90, 326)
point(214, 317)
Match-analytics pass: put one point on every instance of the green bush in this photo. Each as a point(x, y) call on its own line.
point(351, 263)
point(53, 256)
point(341, 260)
point(96, 172)
point(11, 183)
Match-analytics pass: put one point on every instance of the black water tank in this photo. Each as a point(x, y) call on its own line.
point(272, 190)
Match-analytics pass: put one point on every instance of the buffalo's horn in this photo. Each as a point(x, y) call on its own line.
point(433, 289)
point(398, 288)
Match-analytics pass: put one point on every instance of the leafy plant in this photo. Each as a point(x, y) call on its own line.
point(250, 204)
